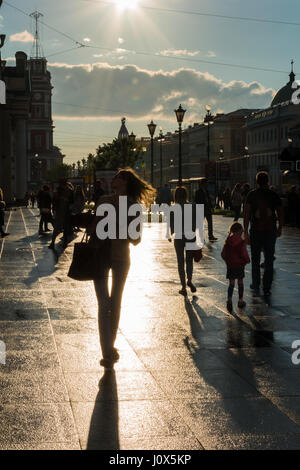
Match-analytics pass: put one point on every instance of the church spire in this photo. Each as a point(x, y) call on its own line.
point(123, 132)
point(292, 75)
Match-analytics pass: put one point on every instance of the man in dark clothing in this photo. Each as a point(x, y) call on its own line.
point(44, 203)
point(263, 208)
point(98, 191)
point(202, 197)
point(164, 195)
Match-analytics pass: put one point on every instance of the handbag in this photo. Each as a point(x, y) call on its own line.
point(89, 260)
point(198, 255)
point(82, 220)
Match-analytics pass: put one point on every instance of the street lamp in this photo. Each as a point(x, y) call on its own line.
point(160, 140)
point(151, 128)
point(218, 173)
point(38, 166)
point(208, 121)
point(179, 116)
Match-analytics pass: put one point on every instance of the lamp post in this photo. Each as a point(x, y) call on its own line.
point(208, 121)
point(38, 166)
point(218, 173)
point(151, 128)
point(179, 116)
point(161, 140)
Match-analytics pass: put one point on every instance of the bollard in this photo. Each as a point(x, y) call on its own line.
point(160, 218)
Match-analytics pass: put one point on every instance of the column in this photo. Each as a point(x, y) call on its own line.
point(21, 158)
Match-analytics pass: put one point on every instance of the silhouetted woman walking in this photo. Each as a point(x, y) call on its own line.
point(125, 183)
point(180, 245)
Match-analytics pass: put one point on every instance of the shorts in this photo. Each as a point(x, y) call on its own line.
point(235, 273)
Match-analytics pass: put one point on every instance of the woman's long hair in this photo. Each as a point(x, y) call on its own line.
point(137, 189)
point(237, 187)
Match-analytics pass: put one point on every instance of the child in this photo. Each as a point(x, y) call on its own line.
point(235, 255)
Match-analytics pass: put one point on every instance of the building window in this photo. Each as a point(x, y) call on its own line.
point(271, 135)
point(38, 141)
point(275, 133)
point(281, 133)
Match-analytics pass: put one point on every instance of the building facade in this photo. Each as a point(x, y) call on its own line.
point(26, 127)
point(206, 151)
point(271, 132)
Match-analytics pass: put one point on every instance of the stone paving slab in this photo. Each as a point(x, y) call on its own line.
point(190, 375)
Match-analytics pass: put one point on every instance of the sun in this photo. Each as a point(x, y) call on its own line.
point(126, 4)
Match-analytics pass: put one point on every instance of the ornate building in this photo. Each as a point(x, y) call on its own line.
point(271, 132)
point(42, 154)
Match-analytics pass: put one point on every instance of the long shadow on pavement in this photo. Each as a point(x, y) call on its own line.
point(104, 427)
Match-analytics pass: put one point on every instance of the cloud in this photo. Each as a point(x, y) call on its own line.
point(180, 52)
point(24, 36)
point(101, 90)
point(115, 53)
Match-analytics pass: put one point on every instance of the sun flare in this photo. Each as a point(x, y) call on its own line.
point(126, 4)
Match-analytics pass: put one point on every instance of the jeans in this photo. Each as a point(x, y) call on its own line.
point(189, 256)
point(110, 305)
point(209, 225)
point(262, 241)
point(237, 212)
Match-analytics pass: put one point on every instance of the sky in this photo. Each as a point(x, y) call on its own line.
point(142, 58)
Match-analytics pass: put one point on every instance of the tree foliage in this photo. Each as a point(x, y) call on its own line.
point(117, 154)
point(60, 171)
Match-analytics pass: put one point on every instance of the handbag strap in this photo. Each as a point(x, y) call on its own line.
point(85, 235)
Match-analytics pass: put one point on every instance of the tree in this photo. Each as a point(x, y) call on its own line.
point(117, 154)
point(60, 171)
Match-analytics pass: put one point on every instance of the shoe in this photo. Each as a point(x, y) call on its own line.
point(229, 305)
point(4, 235)
point(255, 289)
point(267, 293)
point(51, 246)
point(191, 286)
point(107, 363)
point(115, 355)
point(183, 292)
point(241, 303)
point(212, 239)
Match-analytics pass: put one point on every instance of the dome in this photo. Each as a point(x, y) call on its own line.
point(286, 92)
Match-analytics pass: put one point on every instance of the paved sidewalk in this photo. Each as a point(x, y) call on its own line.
point(190, 376)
